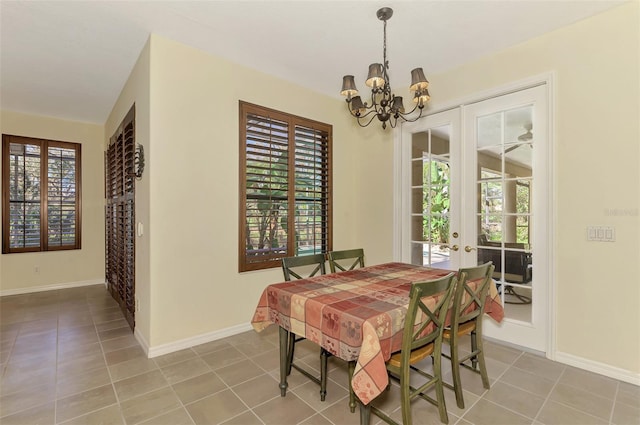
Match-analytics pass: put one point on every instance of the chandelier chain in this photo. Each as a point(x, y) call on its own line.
point(384, 48)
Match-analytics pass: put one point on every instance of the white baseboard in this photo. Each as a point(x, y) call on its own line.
point(597, 367)
point(514, 346)
point(143, 342)
point(581, 363)
point(53, 287)
point(190, 342)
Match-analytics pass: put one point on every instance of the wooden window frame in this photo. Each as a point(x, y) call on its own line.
point(44, 145)
point(304, 126)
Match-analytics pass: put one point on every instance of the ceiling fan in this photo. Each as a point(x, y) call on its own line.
point(524, 137)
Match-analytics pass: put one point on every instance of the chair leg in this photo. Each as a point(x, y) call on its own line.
point(455, 371)
point(405, 399)
point(437, 373)
point(290, 349)
point(283, 337)
point(352, 395)
point(324, 356)
point(474, 348)
point(482, 364)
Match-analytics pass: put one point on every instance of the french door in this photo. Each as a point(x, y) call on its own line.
point(475, 188)
point(431, 154)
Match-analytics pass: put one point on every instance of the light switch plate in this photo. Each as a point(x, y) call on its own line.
point(601, 233)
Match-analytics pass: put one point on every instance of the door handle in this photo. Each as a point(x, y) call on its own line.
point(469, 249)
point(453, 248)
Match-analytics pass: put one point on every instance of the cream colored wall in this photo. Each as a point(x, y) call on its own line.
point(137, 90)
point(60, 268)
point(372, 219)
point(195, 286)
point(596, 146)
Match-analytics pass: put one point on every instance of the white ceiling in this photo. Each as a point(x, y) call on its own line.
point(70, 59)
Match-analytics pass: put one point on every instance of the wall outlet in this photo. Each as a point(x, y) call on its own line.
point(36, 269)
point(137, 304)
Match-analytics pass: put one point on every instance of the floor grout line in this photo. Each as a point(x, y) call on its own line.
point(615, 401)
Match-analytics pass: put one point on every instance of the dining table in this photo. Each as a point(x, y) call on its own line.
point(356, 315)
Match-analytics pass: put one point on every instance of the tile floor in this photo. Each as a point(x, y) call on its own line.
point(68, 357)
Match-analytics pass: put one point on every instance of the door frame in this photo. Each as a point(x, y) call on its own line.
point(399, 194)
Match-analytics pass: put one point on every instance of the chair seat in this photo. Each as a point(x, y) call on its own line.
point(463, 329)
point(416, 355)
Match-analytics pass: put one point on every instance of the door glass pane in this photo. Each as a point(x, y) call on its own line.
point(518, 159)
point(505, 182)
point(490, 227)
point(518, 126)
point(489, 130)
point(430, 197)
point(517, 196)
point(517, 302)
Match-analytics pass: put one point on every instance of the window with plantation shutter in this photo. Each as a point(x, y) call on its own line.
point(120, 216)
point(41, 195)
point(285, 187)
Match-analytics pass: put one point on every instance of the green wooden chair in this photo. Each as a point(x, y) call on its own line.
point(300, 268)
point(419, 341)
point(304, 265)
point(346, 260)
point(466, 319)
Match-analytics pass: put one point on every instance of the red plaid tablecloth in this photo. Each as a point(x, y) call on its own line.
point(355, 315)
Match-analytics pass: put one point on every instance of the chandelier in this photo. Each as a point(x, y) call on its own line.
point(386, 106)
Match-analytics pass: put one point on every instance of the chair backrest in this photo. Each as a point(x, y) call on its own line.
point(471, 293)
point(303, 261)
point(428, 326)
point(345, 260)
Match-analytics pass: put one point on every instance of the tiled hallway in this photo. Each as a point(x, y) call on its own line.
point(68, 356)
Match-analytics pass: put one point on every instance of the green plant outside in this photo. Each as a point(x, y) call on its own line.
point(436, 203)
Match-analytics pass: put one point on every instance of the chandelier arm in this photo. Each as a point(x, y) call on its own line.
point(410, 112)
point(373, 111)
point(417, 106)
point(403, 116)
point(374, 104)
point(374, 98)
point(368, 122)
